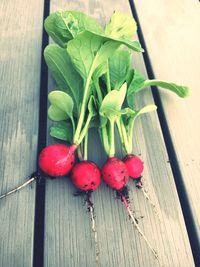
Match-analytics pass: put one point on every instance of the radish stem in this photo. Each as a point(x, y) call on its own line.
point(112, 138)
point(108, 79)
point(85, 147)
point(124, 200)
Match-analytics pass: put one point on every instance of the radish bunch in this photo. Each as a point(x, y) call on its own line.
point(95, 87)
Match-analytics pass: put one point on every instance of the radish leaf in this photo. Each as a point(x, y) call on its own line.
point(56, 114)
point(111, 105)
point(62, 131)
point(114, 99)
point(62, 70)
point(121, 25)
point(119, 65)
point(63, 26)
point(88, 52)
point(62, 101)
point(180, 90)
point(138, 82)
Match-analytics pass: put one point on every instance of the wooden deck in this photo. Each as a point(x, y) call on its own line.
point(45, 225)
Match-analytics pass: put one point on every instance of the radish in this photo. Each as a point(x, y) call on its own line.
point(54, 160)
point(57, 159)
point(134, 165)
point(86, 176)
point(115, 173)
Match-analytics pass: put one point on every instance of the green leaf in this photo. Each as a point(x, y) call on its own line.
point(62, 101)
point(56, 114)
point(146, 109)
point(62, 131)
point(63, 26)
point(119, 65)
point(138, 82)
point(112, 103)
point(121, 25)
point(134, 45)
point(62, 70)
point(88, 52)
point(180, 90)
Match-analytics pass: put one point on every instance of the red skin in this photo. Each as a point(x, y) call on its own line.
point(134, 165)
point(115, 173)
point(86, 175)
point(57, 159)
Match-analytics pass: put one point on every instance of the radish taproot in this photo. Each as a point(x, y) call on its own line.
point(115, 173)
point(86, 176)
point(134, 165)
point(57, 159)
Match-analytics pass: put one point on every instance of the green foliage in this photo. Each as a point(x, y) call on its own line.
point(63, 26)
point(119, 65)
point(62, 131)
point(121, 26)
point(62, 70)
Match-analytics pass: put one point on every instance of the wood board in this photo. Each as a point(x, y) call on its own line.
point(20, 45)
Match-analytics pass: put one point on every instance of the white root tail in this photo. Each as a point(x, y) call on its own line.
point(93, 227)
point(19, 187)
point(123, 198)
point(147, 197)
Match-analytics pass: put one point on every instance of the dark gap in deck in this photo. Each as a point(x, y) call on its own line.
point(186, 209)
point(38, 247)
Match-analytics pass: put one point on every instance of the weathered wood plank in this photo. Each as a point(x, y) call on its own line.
point(171, 31)
point(20, 46)
point(68, 239)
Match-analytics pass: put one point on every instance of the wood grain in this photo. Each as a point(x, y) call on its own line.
point(175, 56)
point(20, 46)
point(68, 240)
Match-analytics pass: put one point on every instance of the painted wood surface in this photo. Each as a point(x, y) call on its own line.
point(68, 239)
point(171, 30)
point(20, 46)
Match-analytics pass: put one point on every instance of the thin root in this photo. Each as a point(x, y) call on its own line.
point(124, 200)
point(33, 177)
point(141, 188)
point(90, 206)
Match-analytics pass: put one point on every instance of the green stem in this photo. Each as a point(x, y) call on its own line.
point(85, 155)
point(120, 132)
point(98, 90)
point(108, 78)
point(104, 133)
point(130, 135)
point(80, 154)
point(112, 138)
point(73, 124)
point(84, 131)
point(83, 106)
point(127, 144)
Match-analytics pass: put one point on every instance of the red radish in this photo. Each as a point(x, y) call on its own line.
point(57, 159)
point(86, 175)
point(134, 165)
point(115, 173)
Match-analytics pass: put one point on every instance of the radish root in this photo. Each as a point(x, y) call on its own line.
point(90, 206)
point(125, 202)
point(140, 186)
point(31, 179)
